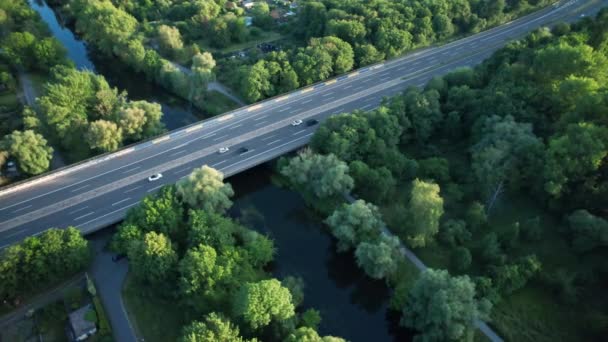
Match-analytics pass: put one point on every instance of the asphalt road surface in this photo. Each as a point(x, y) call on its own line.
point(98, 192)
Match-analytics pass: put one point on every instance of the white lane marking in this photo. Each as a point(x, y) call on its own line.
point(331, 98)
point(80, 188)
point(178, 153)
point(77, 210)
point(220, 163)
point(268, 137)
point(180, 146)
point(155, 188)
point(385, 78)
point(299, 132)
point(237, 126)
point(206, 136)
point(110, 213)
point(284, 109)
point(21, 209)
point(19, 231)
point(222, 137)
point(307, 101)
point(85, 215)
point(131, 169)
point(184, 170)
point(123, 200)
point(260, 118)
point(367, 107)
point(260, 123)
point(327, 94)
point(273, 142)
point(347, 86)
point(132, 189)
point(359, 88)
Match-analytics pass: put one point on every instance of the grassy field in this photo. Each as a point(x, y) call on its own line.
point(217, 103)
point(156, 320)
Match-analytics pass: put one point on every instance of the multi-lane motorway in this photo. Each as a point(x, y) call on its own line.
point(98, 192)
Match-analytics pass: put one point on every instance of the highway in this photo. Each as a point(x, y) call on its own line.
point(98, 192)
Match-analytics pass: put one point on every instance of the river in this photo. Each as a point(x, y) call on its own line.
point(352, 305)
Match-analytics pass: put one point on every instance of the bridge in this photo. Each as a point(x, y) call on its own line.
point(97, 192)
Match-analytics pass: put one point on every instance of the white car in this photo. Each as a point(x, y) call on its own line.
point(155, 177)
point(223, 150)
point(297, 122)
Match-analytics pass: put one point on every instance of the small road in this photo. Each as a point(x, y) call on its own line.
point(109, 277)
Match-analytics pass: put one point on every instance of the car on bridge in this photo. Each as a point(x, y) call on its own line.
point(297, 122)
point(223, 150)
point(155, 177)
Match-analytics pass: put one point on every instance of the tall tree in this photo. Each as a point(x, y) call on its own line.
point(30, 150)
point(153, 259)
point(205, 189)
point(354, 223)
point(421, 220)
point(262, 302)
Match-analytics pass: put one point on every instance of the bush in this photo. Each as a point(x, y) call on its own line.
point(461, 258)
point(454, 232)
point(104, 325)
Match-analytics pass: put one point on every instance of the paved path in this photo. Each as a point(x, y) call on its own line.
point(109, 277)
point(481, 325)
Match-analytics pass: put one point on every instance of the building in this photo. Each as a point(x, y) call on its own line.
point(80, 327)
point(248, 4)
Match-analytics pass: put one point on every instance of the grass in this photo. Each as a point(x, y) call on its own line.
point(155, 319)
point(217, 103)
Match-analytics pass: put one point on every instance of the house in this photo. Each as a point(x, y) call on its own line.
point(248, 4)
point(80, 324)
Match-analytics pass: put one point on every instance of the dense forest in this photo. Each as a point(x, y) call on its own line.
point(182, 248)
point(497, 174)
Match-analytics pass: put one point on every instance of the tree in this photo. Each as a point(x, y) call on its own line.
point(104, 136)
point(124, 238)
point(454, 233)
point(296, 288)
point(29, 149)
point(48, 52)
point(341, 52)
point(367, 54)
point(588, 231)
point(211, 229)
point(443, 308)
point(379, 259)
point(423, 112)
point(318, 175)
point(170, 39)
point(313, 64)
point(214, 327)
point(354, 223)
point(512, 277)
point(461, 258)
point(160, 212)
point(374, 185)
point(308, 334)
point(205, 189)
point(260, 249)
point(262, 302)
point(261, 14)
point(153, 258)
point(421, 220)
point(198, 270)
point(131, 122)
point(476, 216)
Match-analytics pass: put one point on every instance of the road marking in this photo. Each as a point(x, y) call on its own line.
point(359, 88)
point(80, 188)
point(83, 216)
point(284, 109)
point(307, 101)
point(21, 209)
point(303, 91)
point(131, 169)
point(183, 170)
point(77, 210)
point(299, 132)
point(19, 231)
point(132, 189)
point(161, 139)
point(260, 123)
point(282, 98)
point(239, 125)
point(124, 200)
point(330, 82)
point(178, 153)
point(206, 136)
point(225, 118)
point(220, 138)
point(327, 94)
point(155, 188)
point(260, 118)
point(367, 107)
point(385, 78)
point(268, 137)
point(378, 66)
point(347, 86)
point(220, 163)
point(273, 142)
point(194, 128)
point(256, 107)
point(110, 213)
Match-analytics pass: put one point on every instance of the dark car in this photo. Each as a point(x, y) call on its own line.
point(243, 150)
point(312, 122)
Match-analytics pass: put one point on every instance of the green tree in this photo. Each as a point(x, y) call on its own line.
point(354, 223)
point(214, 327)
point(318, 175)
point(379, 259)
point(161, 212)
point(421, 220)
point(153, 259)
point(124, 238)
point(169, 39)
point(461, 258)
point(367, 54)
point(104, 136)
point(443, 308)
point(514, 276)
point(588, 231)
point(30, 150)
point(205, 189)
point(262, 302)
